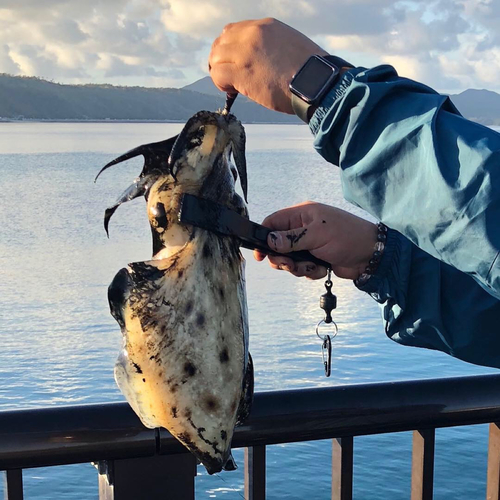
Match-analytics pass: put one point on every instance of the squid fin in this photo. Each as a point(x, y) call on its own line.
point(247, 394)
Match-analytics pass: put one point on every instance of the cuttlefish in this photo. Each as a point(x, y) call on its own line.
point(185, 364)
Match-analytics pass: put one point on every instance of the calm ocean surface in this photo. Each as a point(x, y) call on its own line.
point(59, 342)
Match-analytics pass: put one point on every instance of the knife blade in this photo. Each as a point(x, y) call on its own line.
point(220, 219)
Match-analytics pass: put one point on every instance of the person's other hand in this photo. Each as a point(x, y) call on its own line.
point(331, 234)
point(258, 59)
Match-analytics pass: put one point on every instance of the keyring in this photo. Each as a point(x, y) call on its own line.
point(333, 335)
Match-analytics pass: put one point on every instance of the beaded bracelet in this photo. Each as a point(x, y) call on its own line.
point(372, 266)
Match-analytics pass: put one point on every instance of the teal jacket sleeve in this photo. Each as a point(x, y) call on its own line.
point(411, 160)
point(427, 303)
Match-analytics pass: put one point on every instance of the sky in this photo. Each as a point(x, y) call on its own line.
point(449, 45)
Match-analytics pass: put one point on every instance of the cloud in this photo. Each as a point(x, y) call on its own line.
point(120, 41)
point(114, 66)
point(448, 44)
point(7, 64)
point(206, 18)
point(423, 40)
point(65, 31)
point(35, 60)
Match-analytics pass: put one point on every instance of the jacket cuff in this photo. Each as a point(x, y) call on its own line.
point(334, 95)
point(390, 281)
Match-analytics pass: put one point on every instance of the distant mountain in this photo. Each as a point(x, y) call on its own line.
point(204, 86)
point(37, 99)
point(482, 106)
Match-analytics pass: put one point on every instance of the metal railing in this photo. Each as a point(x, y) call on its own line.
point(135, 462)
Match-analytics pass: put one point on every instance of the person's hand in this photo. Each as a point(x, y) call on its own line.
point(331, 234)
point(258, 59)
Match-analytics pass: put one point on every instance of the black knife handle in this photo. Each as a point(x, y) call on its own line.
point(299, 256)
point(220, 219)
point(305, 256)
point(260, 235)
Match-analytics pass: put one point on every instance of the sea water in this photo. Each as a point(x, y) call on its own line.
point(59, 342)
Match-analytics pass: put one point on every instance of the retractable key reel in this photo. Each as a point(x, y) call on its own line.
point(327, 302)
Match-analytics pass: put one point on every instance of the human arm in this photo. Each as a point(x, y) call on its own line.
point(425, 302)
point(330, 234)
point(406, 155)
point(258, 59)
point(408, 158)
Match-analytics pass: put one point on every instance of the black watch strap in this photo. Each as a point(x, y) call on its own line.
point(338, 61)
point(303, 109)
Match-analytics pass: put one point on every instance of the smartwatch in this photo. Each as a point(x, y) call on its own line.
point(313, 80)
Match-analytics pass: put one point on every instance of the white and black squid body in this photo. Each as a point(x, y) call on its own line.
point(185, 364)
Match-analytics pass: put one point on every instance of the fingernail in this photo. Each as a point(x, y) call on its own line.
point(285, 267)
point(274, 240)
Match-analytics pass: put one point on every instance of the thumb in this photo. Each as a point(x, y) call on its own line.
point(301, 238)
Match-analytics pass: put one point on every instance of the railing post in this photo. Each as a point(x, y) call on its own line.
point(493, 476)
point(342, 458)
point(422, 466)
point(14, 484)
point(169, 477)
point(255, 473)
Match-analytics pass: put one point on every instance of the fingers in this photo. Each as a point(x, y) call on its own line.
point(302, 238)
point(291, 217)
point(222, 67)
point(282, 264)
point(294, 229)
point(222, 76)
point(224, 62)
point(259, 256)
point(309, 270)
point(299, 269)
point(318, 273)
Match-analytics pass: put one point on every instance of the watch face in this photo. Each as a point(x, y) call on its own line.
point(312, 78)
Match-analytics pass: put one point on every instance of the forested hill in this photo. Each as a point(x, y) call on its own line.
point(37, 99)
point(482, 106)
